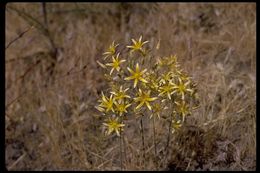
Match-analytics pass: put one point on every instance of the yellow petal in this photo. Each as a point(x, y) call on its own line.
point(123, 60)
point(133, 41)
point(109, 64)
point(112, 92)
point(117, 68)
point(135, 83)
point(129, 78)
point(143, 80)
point(190, 90)
point(130, 70)
point(182, 96)
point(117, 132)
point(145, 42)
point(143, 71)
point(137, 67)
point(121, 125)
point(100, 108)
point(140, 39)
point(102, 65)
point(148, 105)
point(106, 53)
point(109, 131)
point(140, 105)
point(104, 98)
point(111, 71)
point(169, 96)
point(152, 99)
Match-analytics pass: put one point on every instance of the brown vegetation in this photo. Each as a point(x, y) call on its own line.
point(53, 83)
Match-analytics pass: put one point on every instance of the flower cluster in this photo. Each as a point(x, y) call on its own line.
point(143, 84)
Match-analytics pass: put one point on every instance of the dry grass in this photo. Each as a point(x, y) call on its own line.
point(51, 123)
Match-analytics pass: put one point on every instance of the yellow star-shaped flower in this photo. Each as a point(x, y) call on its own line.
point(136, 75)
point(182, 88)
point(137, 45)
point(144, 98)
point(176, 124)
point(115, 63)
point(106, 103)
point(182, 109)
point(113, 125)
point(121, 94)
point(166, 89)
point(111, 50)
point(168, 77)
point(121, 107)
point(158, 109)
point(170, 61)
point(153, 81)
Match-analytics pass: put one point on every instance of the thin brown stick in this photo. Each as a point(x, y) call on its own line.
point(154, 137)
point(154, 141)
point(142, 134)
point(121, 154)
point(18, 37)
point(44, 11)
point(16, 99)
point(168, 138)
point(17, 161)
point(124, 145)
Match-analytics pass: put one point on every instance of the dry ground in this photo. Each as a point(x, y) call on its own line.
point(53, 82)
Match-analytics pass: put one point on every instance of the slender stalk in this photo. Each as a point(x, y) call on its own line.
point(50, 37)
point(124, 145)
point(168, 139)
point(121, 155)
point(154, 141)
point(44, 14)
point(18, 37)
point(142, 133)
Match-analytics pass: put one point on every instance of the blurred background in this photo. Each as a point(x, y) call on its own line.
point(52, 83)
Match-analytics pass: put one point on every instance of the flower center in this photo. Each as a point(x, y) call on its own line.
point(182, 88)
point(137, 75)
point(114, 125)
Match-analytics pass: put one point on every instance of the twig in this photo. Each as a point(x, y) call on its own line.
point(18, 160)
point(19, 36)
point(96, 155)
point(50, 37)
point(109, 151)
point(44, 14)
point(103, 163)
point(14, 100)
